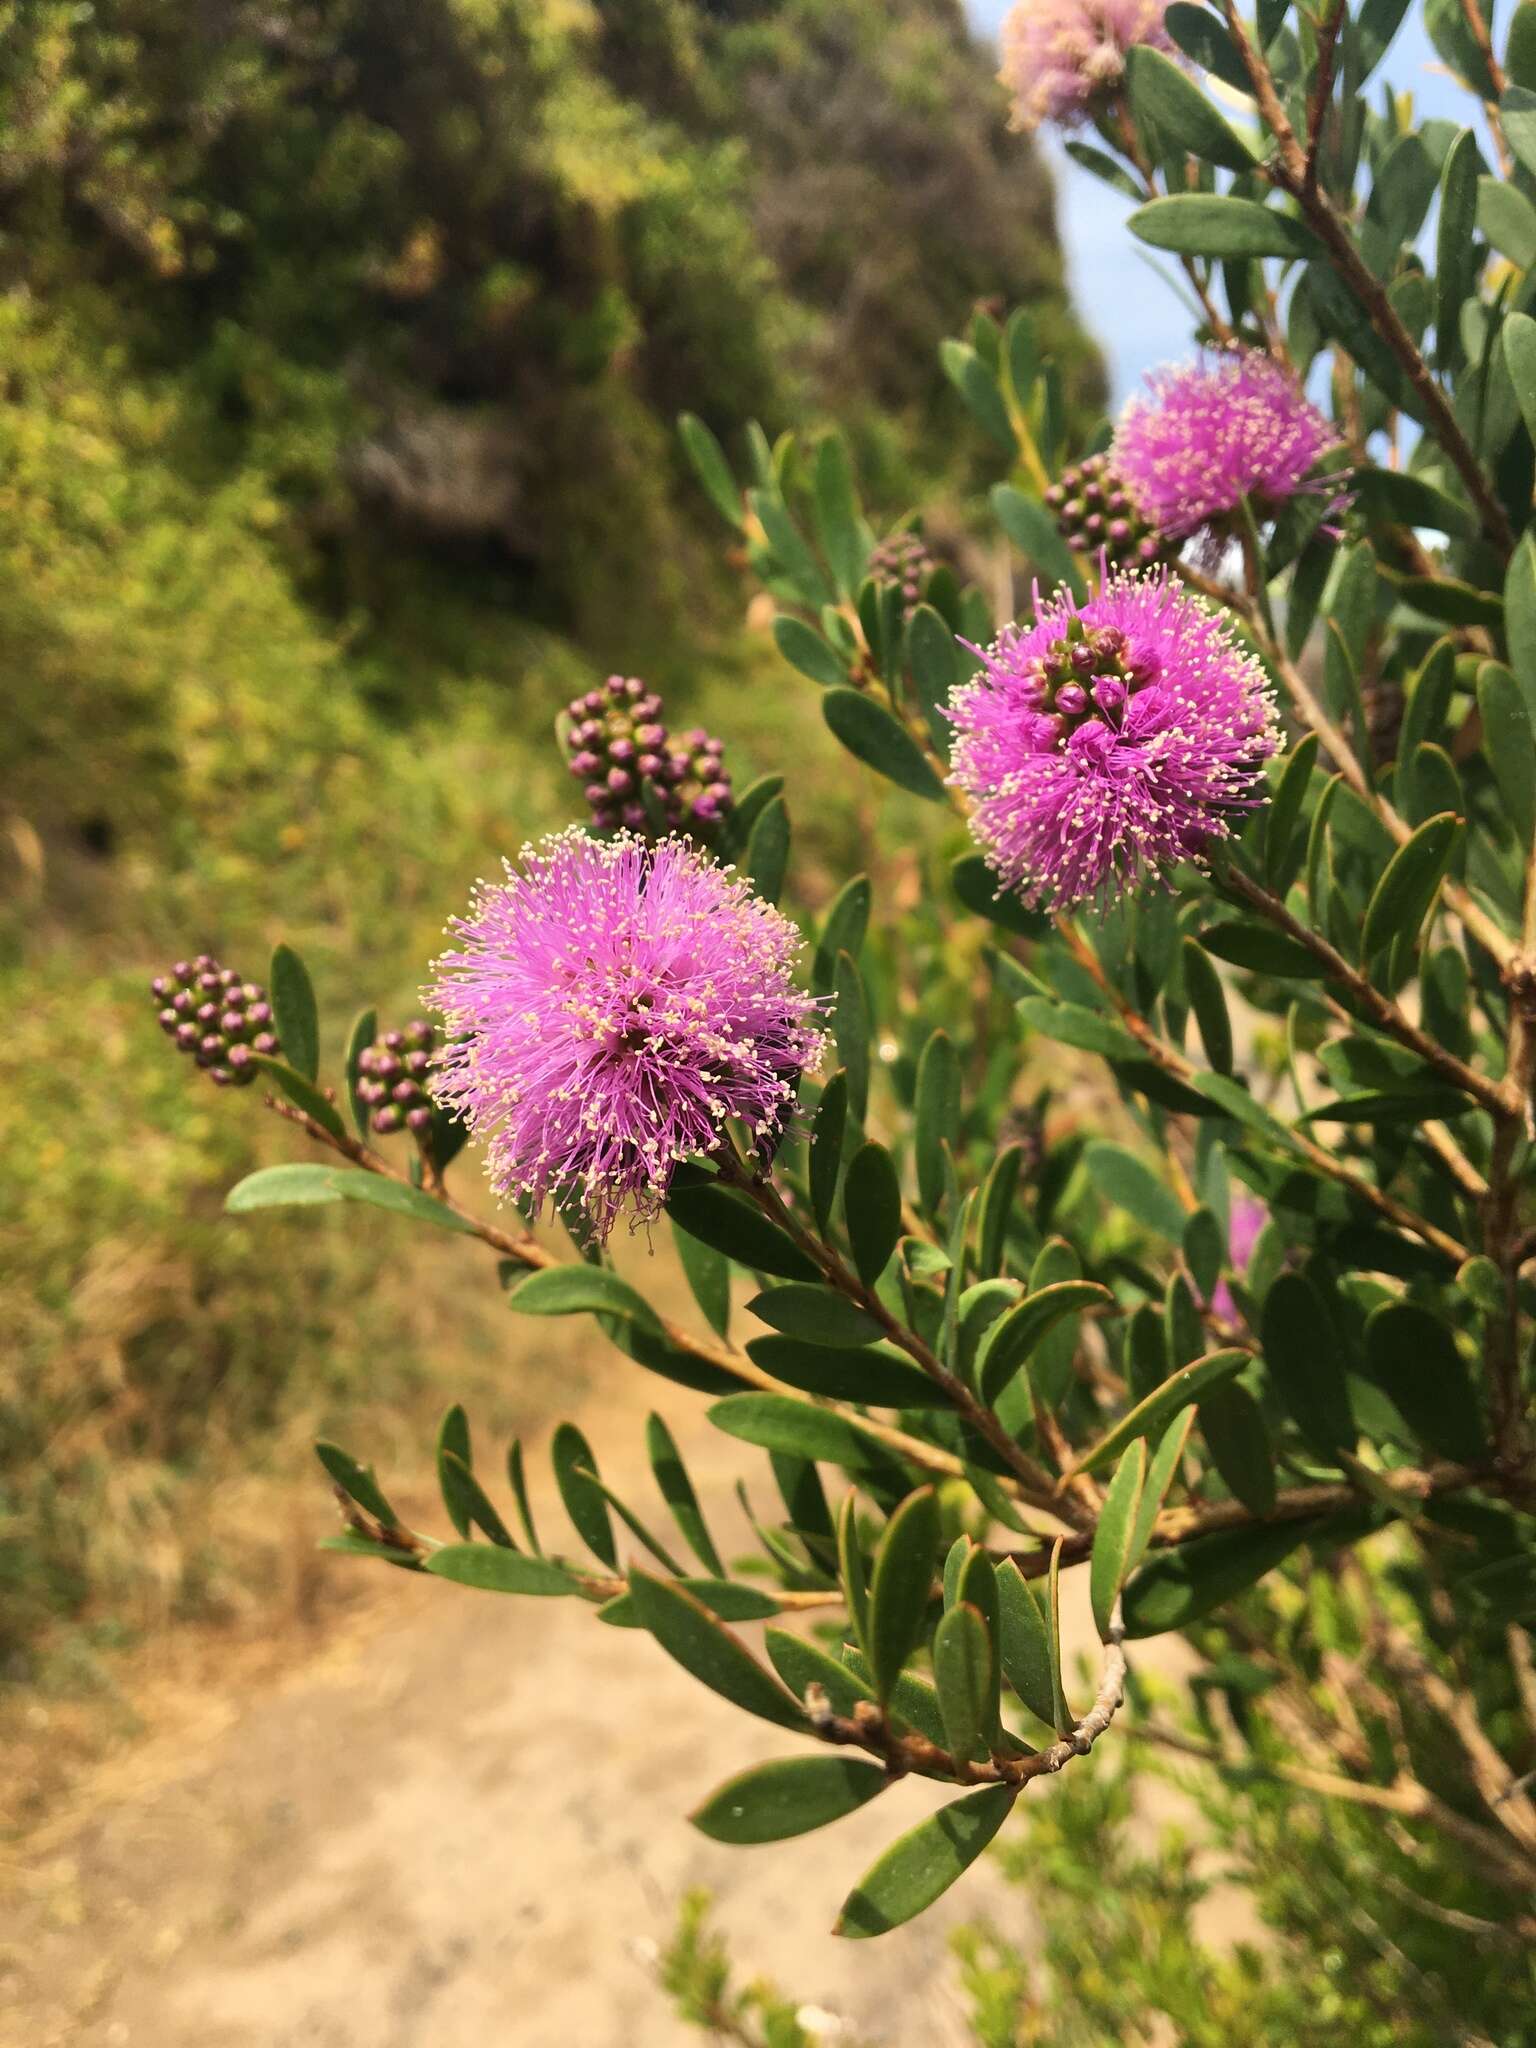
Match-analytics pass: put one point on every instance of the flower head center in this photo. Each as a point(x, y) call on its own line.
point(1091, 673)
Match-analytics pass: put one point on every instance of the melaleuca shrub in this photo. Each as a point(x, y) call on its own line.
point(1127, 1172)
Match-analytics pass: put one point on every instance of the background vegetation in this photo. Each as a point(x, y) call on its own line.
point(339, 347)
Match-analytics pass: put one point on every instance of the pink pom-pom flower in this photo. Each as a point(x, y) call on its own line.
point(1109, 741)
point(1061, 59)
point(1209, 434)
point(608, 1011)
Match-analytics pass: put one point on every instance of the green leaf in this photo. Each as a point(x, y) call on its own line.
point(1127, 1182)
point(1304, 1361)
point(1115, 1534)
point(1509, 745)
point(843, 932)
point(996, 1211)
point(1518, 336)
point(938, 663)
point(850, 1566)
point(357, 1481)
point(491, 1569)
point(1399, 497)
point(875, 737)
point(804, 648)
point(922, 1864)
point(767, 857)
point(1204, 1247)
point(294, 1012)
point(517, 1480)
point(850, 1033)
point(978, 387)
point(1024, 1645)
point(677, 1490)
point(575, 1475)
point(1160, 1476)
point(1262, 951)
point(873, 1375)
point(400, 1199)
point(1414, 1360)
point(1520, 619)
point(463, 1495)
point(1176, 1587)
point(708, 1274)
point(1071, 1024)
point(453, 1440)
point(1402, 897)
point(790, 552)
point(791, 1796)
point(872, 1208)
point(1457, 259)
point(802, 1664)
point(965, 1676)
point(302, 1094)
point(818, 1314)
point(827, 1129)
point(1507, 220)
point(690, 1634)
point(1014, 1336)
point(1208, 224)
point(1036, 535)
point(1235, 1435)
point(1152, 1416)
point(364, 1031)
point(711, 468)
point(978, 891)
point(845, 540)
point(1517, 110)
point(1163, 93)
point(776, 1422)
point(1208, 1000)
point(1201, 36)
point(1063, 1716)
point(1429, 698)
point(283, 1187)
point(727, 1222)
point(581, 1290)
point(724, 1598)
point(936, 1116)
point(899, 1586)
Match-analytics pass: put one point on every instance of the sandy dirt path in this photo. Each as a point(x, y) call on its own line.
point(464, 1823)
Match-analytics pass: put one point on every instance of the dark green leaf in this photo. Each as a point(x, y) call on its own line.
point(790, 552)
point(1176, 1587)
point(818, 1314)
point(1518, 335)
point(767, 855)
point(850, 1033)
point(899, 1586)
point(1024, 1645)
point(778, 1423)
point(977, 889)
point(302, 1094)
point(690, 1634)
point(1014, 1336)
point(708, 1274)
point(453, 1440)
point(1414, 1359)
point(1071, 1024)
point(964, 1675)
point(729, 1223)
point(1152, 1416)
point(922, 1864)
point(874, 736)
point(872, 1207)
point(1035, 534)
point(575, 1475)
point(997, 1198)
point(357, 1481)
point(295, 1013)
point(791, 1796)
point(851, 1568)
point(1262, 951)
point(801, 1665)
point(977, 385)
point(1457, 257)
point(1204, 1247)
point(364, 1031)
point(1163, 93)
point(843, 932)
point(1305, 1363)
point(1160, 1476)
point(827, 1129)
point(845, 540)
point(804, 648)
point(724, 1598)
point(1235, 1435)
point(872, 1374)
point(1127, 1182)
point(936, 1116)
point(1207, 998)
point(677, 1491)
point(1201, 36)
point(1115, 1535)
point(1407, 887)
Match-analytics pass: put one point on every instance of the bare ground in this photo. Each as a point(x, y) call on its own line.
point(463, 1822)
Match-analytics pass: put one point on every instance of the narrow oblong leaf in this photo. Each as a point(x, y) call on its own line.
point(357, 1481)
point(400, 1199)
point(922, 1864)
point(575, 1470)
point(791, 1796)
point(711, 468)
point(775, 1422)
point(1414, 1359)
point(729, 1223)
point(872, 1374)
point(1208, 1000)
point(1165, 94)
point(1509, 745)
point(1130, 1184)
point(283, 1187)
point(1160, 1476)
point(828, 1128)
point(691, 1635)
point(851, 1569)
point(677, 1491)
point(880, 741)
point(295, 1012)
point(900, 1585)
point(1303, 1354)
point(872, 1208)
point(1115, 1535)
point(1219, 225)
point(1233, 1427)
point(364, 1031)
point(1151, 1416)
point(1176, 1587)
point(1408, 883)
point(581, 1290)
point(725, 1598)
point(301, 1093)
point(936, 1116)
point(964, 1676)
point(1013, 1337)
point(708, 1273)
point(818, 1314)
point(491, 1569)
point(1024, 1644)
point(802, 1664)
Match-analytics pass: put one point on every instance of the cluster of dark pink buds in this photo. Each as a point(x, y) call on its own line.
point(621, 752)
point(392, 1079)
point(222, 1021)
point(903, 559)
point(1094, 511)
